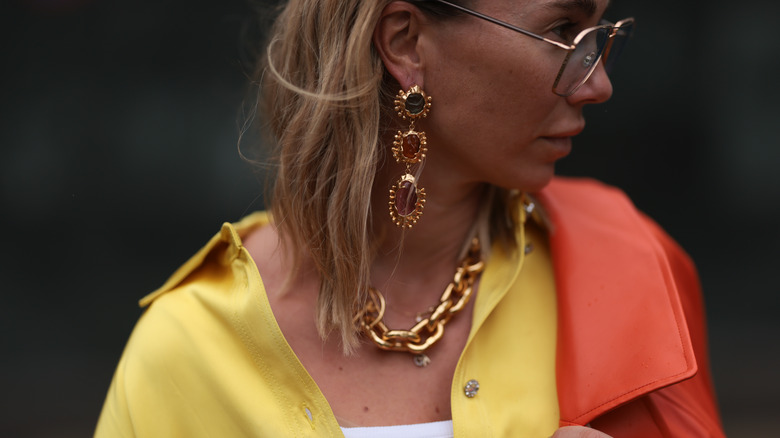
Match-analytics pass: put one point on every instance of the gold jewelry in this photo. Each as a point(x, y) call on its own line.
point(406, 198)
point(430, 329)
point(430, 324)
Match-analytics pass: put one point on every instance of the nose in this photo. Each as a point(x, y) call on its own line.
point(597, 89)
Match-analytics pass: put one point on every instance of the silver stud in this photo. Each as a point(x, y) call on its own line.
point(472, 386)
point(421, 360)
point(529, 247)
point(529, 208)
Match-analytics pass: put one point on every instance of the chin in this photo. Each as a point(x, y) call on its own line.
point(539, 180)
point(538, 187)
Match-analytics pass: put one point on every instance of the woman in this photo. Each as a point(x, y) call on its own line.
point(537, 306)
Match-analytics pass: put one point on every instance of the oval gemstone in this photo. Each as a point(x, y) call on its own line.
point(415, 103)
point(405, 198)
point(410, 146)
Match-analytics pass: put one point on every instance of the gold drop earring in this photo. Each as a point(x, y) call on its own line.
point(406, 198)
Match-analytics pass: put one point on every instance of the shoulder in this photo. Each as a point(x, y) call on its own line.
point(196, 306)
point(599, 218)
point(271, 257)
point(589, 198)
point(206, 357)
point(610, 257)
point(221, 251)
point(569, 195)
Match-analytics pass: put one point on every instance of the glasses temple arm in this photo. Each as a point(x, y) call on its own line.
point(506, 25)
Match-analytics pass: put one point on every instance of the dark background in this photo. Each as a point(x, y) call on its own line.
point(118, 129)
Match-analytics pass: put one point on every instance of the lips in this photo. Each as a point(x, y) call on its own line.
point(571, 132)
point(560, 141)
point(559, 146)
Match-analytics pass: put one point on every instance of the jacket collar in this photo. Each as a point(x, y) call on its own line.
point(621, 328)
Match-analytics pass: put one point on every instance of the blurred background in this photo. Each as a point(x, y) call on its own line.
point(119, 123)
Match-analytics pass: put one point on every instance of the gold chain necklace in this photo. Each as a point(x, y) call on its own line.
point(430, 329)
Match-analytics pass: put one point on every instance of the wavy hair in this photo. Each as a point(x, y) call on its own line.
point(324, 88)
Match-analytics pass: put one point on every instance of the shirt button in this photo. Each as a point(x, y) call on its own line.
point(472, 386)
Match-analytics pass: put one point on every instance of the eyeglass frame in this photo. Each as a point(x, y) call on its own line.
point(570, 48)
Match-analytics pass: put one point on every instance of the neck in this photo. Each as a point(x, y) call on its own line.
point(413, 266)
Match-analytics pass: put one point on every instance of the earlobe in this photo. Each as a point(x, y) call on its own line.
point(396, 38)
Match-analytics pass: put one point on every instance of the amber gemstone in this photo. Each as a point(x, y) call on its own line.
point(415, 103)
point(405, 198)
point(411, 146)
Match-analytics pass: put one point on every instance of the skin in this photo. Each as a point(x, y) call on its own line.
point(578, 432)
point(494, 120)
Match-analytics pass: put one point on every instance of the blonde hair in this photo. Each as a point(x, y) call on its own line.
point(323, 92)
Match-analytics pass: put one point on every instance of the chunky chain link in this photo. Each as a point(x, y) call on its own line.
point(431, 328)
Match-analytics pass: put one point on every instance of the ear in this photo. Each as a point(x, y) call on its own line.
point(396, 39)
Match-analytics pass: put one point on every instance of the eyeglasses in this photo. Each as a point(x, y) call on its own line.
point(593, 44)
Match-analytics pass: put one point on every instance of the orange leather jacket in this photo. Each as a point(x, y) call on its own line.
point(632, 348)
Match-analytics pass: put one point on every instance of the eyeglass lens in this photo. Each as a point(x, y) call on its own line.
point(613, 50)
point(581, 62)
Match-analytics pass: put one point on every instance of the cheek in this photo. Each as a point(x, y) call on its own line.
point(517, 91)
point(485, 91)
point(506, 111)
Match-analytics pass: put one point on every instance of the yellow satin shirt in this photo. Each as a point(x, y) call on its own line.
point(207, 358)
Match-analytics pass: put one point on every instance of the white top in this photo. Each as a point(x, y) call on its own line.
point(437, 429)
